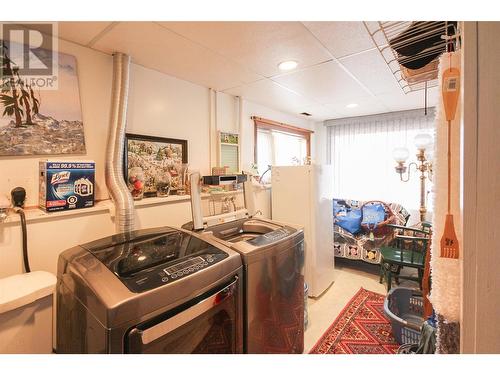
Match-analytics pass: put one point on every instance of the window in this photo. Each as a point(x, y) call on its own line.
point(279, 144)
point(360, 149)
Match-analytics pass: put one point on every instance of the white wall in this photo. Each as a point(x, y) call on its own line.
point(165, 106)
point(158, 105)
point(227, 113)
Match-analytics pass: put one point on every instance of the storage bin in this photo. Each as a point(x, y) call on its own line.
point(405, 307)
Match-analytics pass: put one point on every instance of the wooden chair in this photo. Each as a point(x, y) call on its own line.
point(405, 251)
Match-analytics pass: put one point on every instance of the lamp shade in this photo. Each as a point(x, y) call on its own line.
point(422, 141)
point(400, 154)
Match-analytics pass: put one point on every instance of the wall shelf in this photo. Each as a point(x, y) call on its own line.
point(154, 201)
point(37, 214)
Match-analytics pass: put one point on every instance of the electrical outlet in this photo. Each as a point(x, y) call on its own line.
point(18, 196)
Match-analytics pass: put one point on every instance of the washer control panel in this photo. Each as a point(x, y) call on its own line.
point(271, 237)
point(189, 266)
point(169, 273)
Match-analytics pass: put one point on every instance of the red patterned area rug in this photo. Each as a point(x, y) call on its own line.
point(361, 328)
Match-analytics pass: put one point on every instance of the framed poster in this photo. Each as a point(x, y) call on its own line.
point(162, 161)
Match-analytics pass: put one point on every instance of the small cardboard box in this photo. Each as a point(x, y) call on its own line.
point(66, 185)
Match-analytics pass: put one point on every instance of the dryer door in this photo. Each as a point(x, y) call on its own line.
point(210, 323)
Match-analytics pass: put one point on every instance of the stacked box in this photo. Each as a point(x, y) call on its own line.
point(66, 185)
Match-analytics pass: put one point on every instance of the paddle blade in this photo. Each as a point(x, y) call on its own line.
point(449, 240)
point(450, 87)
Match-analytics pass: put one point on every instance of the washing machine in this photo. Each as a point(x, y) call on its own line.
point(273, 260)
point(160, 290)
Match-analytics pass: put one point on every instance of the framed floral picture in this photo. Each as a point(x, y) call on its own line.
point(161, 163)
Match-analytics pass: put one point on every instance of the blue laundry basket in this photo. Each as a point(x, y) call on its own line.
point(405, 308)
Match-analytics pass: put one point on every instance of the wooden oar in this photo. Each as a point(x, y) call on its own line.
point(450, 91)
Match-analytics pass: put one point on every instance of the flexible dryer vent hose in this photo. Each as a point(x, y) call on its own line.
point(124, 204)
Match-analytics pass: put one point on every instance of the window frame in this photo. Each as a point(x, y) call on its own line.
point(265, 124)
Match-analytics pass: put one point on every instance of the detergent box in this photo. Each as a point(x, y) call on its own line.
point(66, 185)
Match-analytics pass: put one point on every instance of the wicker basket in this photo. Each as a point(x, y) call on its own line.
point(381, 229)
point(405, 307)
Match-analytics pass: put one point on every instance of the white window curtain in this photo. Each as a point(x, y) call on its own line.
point(279, 148)
point(360, 149)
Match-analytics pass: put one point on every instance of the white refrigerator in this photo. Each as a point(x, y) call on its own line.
point(303, 195)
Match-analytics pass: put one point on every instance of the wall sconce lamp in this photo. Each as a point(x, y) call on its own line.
point(423, 142)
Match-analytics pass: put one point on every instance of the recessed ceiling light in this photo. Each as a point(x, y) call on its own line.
point(352, 105)
point(287, 65)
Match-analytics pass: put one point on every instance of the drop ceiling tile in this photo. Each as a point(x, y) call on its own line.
point(273, 95)
point(366, 105)
point(157, 48)
point(371, 70)
point(398, 101)
point(259, 46)
point(341, 38)
point(226, 55)
point(321, 112)
point(325, 83)
point(374, 28)
point(327, 113)
point(81, 32)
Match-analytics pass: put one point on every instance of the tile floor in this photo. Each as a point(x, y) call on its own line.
point(350, 276)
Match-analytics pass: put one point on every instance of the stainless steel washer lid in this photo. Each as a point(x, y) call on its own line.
point(113, 303)
point(276, 242)
point(253, 238)
point(147, 259)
